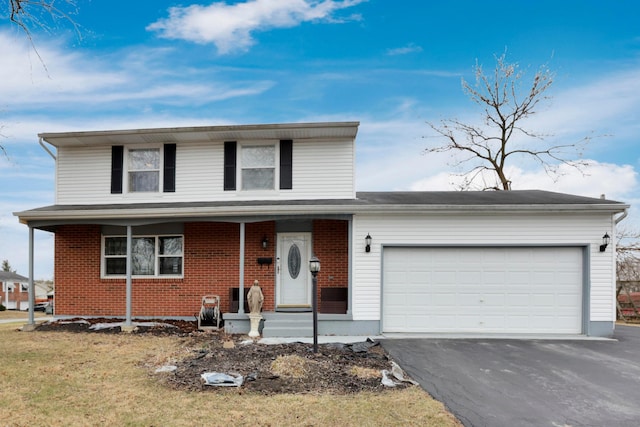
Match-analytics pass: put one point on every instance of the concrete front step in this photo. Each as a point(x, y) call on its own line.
point(287, 325)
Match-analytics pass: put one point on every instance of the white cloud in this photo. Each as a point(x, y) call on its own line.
point(607, 105)
point(410, 48)
point(231, 27)
point(78, 77)
point(617, 182)
point(14, 240)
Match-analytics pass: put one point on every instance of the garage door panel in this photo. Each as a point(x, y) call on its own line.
point(492, 290)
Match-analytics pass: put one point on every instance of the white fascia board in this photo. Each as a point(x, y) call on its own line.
point(305, 209)
point(472, 209)
point(297, 131)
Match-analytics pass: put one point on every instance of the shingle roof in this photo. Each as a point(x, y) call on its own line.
point(7, 276)
point(365, 202)
point(475, 198)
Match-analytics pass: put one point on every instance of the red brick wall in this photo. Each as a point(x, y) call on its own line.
point(211, 258)
point(77, 274)
point(265, 274)
point(330, 245)
point(18, 296)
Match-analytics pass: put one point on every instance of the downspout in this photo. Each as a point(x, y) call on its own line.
point(53, 156)
point(623, 216)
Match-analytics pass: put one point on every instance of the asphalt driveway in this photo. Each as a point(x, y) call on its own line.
point(529, 382)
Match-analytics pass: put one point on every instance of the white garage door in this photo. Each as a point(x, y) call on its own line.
point(482, 290)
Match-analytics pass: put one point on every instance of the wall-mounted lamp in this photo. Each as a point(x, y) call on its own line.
point(367, 241)
point(265, 242)
point(605, 242)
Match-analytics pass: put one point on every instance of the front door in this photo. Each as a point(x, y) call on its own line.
point(293, 284)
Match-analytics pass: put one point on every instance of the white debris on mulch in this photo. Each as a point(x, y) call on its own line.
point(69, 322)
point(166, 368)
point(222, 380)
point(397, 373)
point(100, 326)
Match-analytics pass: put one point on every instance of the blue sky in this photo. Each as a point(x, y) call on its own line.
point(392, 65)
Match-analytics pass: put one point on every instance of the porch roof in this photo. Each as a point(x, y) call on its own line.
point(365, 202)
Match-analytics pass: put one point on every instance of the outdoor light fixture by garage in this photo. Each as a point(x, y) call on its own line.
point(265, 242)
point(367, 241)
point(314, 268)
point(605, 242)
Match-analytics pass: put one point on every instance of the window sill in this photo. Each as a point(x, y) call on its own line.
point(165, 277)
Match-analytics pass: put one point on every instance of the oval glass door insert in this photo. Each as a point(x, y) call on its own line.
point(293, 261)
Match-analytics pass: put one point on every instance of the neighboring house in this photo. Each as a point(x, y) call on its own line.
point(14, 294)
point(628, 276)
point(208, 210)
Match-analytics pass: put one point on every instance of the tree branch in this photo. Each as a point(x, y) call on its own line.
point(504, 111)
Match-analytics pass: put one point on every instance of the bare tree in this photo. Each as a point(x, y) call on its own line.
point(28, 14)
point(628, 272)
point(490, 146)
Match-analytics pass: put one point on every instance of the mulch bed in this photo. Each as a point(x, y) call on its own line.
point(335, 368)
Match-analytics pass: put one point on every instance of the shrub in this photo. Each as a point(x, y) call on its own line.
point(2, 307)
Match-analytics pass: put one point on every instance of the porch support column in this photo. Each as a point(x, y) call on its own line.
point(350, 265)
point(128, 273)
point(241, 270)
point(32, 291)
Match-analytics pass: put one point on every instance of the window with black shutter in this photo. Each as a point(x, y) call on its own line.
point(117, 159)
point(169, 176)
point(230, 165)
point(286, 164)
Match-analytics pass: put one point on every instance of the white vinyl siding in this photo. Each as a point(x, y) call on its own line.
point(551, 229)
point(321, 170)
point(83, 175)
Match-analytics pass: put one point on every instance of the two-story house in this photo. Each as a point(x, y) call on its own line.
point(14, 290)
point(147, 221)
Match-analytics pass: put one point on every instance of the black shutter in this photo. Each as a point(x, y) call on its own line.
point(169, 181)
point(229, 165)
point(117, 158)
point(286, 164)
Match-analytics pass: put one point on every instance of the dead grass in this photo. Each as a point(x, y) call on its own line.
point(361, 372)
point(67, 379)
point(289, 366)
point(19, 315)
point(635, 323)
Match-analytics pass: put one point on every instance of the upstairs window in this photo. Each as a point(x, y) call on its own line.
point(258, 167)
point(144, 170)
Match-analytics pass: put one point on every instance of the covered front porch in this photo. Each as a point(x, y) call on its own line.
point(100, 273)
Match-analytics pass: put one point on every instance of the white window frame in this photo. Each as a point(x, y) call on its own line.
point(127, 171)
point(156, 255)
point(276, 166)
